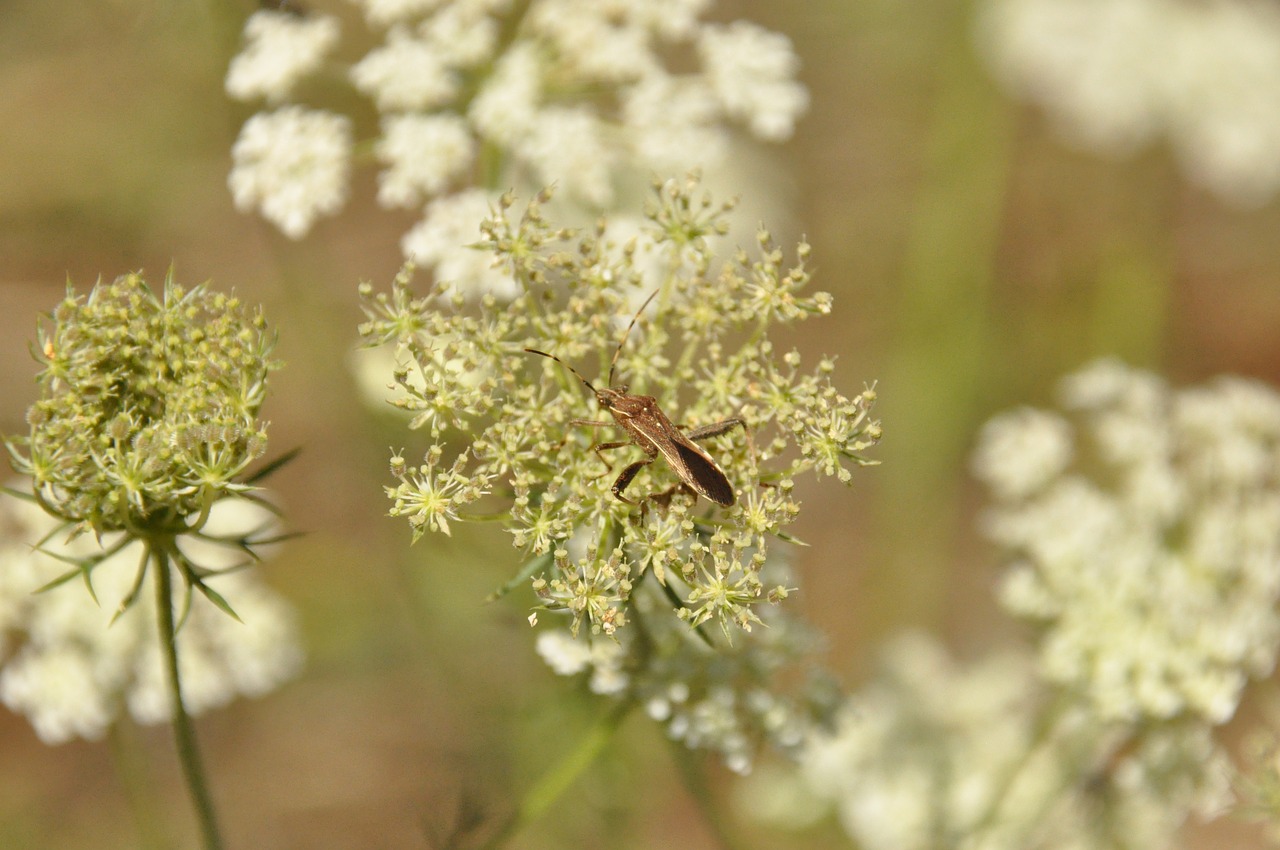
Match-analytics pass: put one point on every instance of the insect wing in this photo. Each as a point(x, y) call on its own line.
point(695, 467)
point(704, 476)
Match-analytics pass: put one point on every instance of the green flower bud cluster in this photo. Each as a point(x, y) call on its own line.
point(148, 406)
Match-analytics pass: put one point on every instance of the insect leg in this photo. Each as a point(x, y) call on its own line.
point(715, 429)
point(625, 478)
point(598, 448)
point(601, 448)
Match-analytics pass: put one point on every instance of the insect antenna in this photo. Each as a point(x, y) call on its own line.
point(623, 341)
point(564, 364)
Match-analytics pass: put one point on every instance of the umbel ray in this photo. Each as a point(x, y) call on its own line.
point(651, 430)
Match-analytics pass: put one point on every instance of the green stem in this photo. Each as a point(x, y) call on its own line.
point(183, 731)
point(562, 774)
point(694, 778)
point(941, 362)
point(1043, 736)
point(135, 783)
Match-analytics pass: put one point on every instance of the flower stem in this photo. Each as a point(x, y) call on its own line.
point(183, 732)
point(694, 776)
point(135, 783)
point(562, 774)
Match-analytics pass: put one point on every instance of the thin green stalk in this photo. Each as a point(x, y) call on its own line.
point(562, 774)
point(693, 776)
point(183, 732)
point(1043, 736)
point(136, 784)
point(940, 364)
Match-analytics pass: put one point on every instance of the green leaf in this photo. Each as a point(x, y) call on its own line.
point(217, 599)
point(274, 465)
point(132, 596)
point(538, 564)
point(64, 578)
point(789, 538)
point(24, 495)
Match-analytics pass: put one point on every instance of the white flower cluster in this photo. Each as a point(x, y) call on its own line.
point(932, 754)
point(1115, 74)
point(1144, 528)
point(280, 49)
point(719, 703)
point(568, 656)
point(565, 92)
point(920, 747)
point(71, 666)
point(292, 164)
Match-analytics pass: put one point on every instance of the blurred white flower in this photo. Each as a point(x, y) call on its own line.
point(1153, 561)
point(462, 34)
point(504, 108)
point(596, 39)
point(441, 240)
point(752, 71)
point(566, 147)
point(563, 653)
point(71, 670)
point(406, 73)
point(280, 49)
point(1020, 451)
point(291, 164)
point(931, 753)
point(568, 655)
point(386, 12)
point(670, 19)
point(578, 94)
point(923, 749)
point(1114, 74)
point(672, 122)
point(423, 153)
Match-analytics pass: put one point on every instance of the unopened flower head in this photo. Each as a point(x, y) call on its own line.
point(73, 666)
point(148, 407)
point(1143, 526)
point(1114, 74)
point(662, 570)
point(582, 94)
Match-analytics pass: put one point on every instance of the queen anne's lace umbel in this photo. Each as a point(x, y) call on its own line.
point(1115, 74)
point(481, 93)
point(1143, 526)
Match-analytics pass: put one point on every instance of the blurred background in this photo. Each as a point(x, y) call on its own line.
point(974, 259)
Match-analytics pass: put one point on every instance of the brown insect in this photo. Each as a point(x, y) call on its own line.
point(651, 430)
